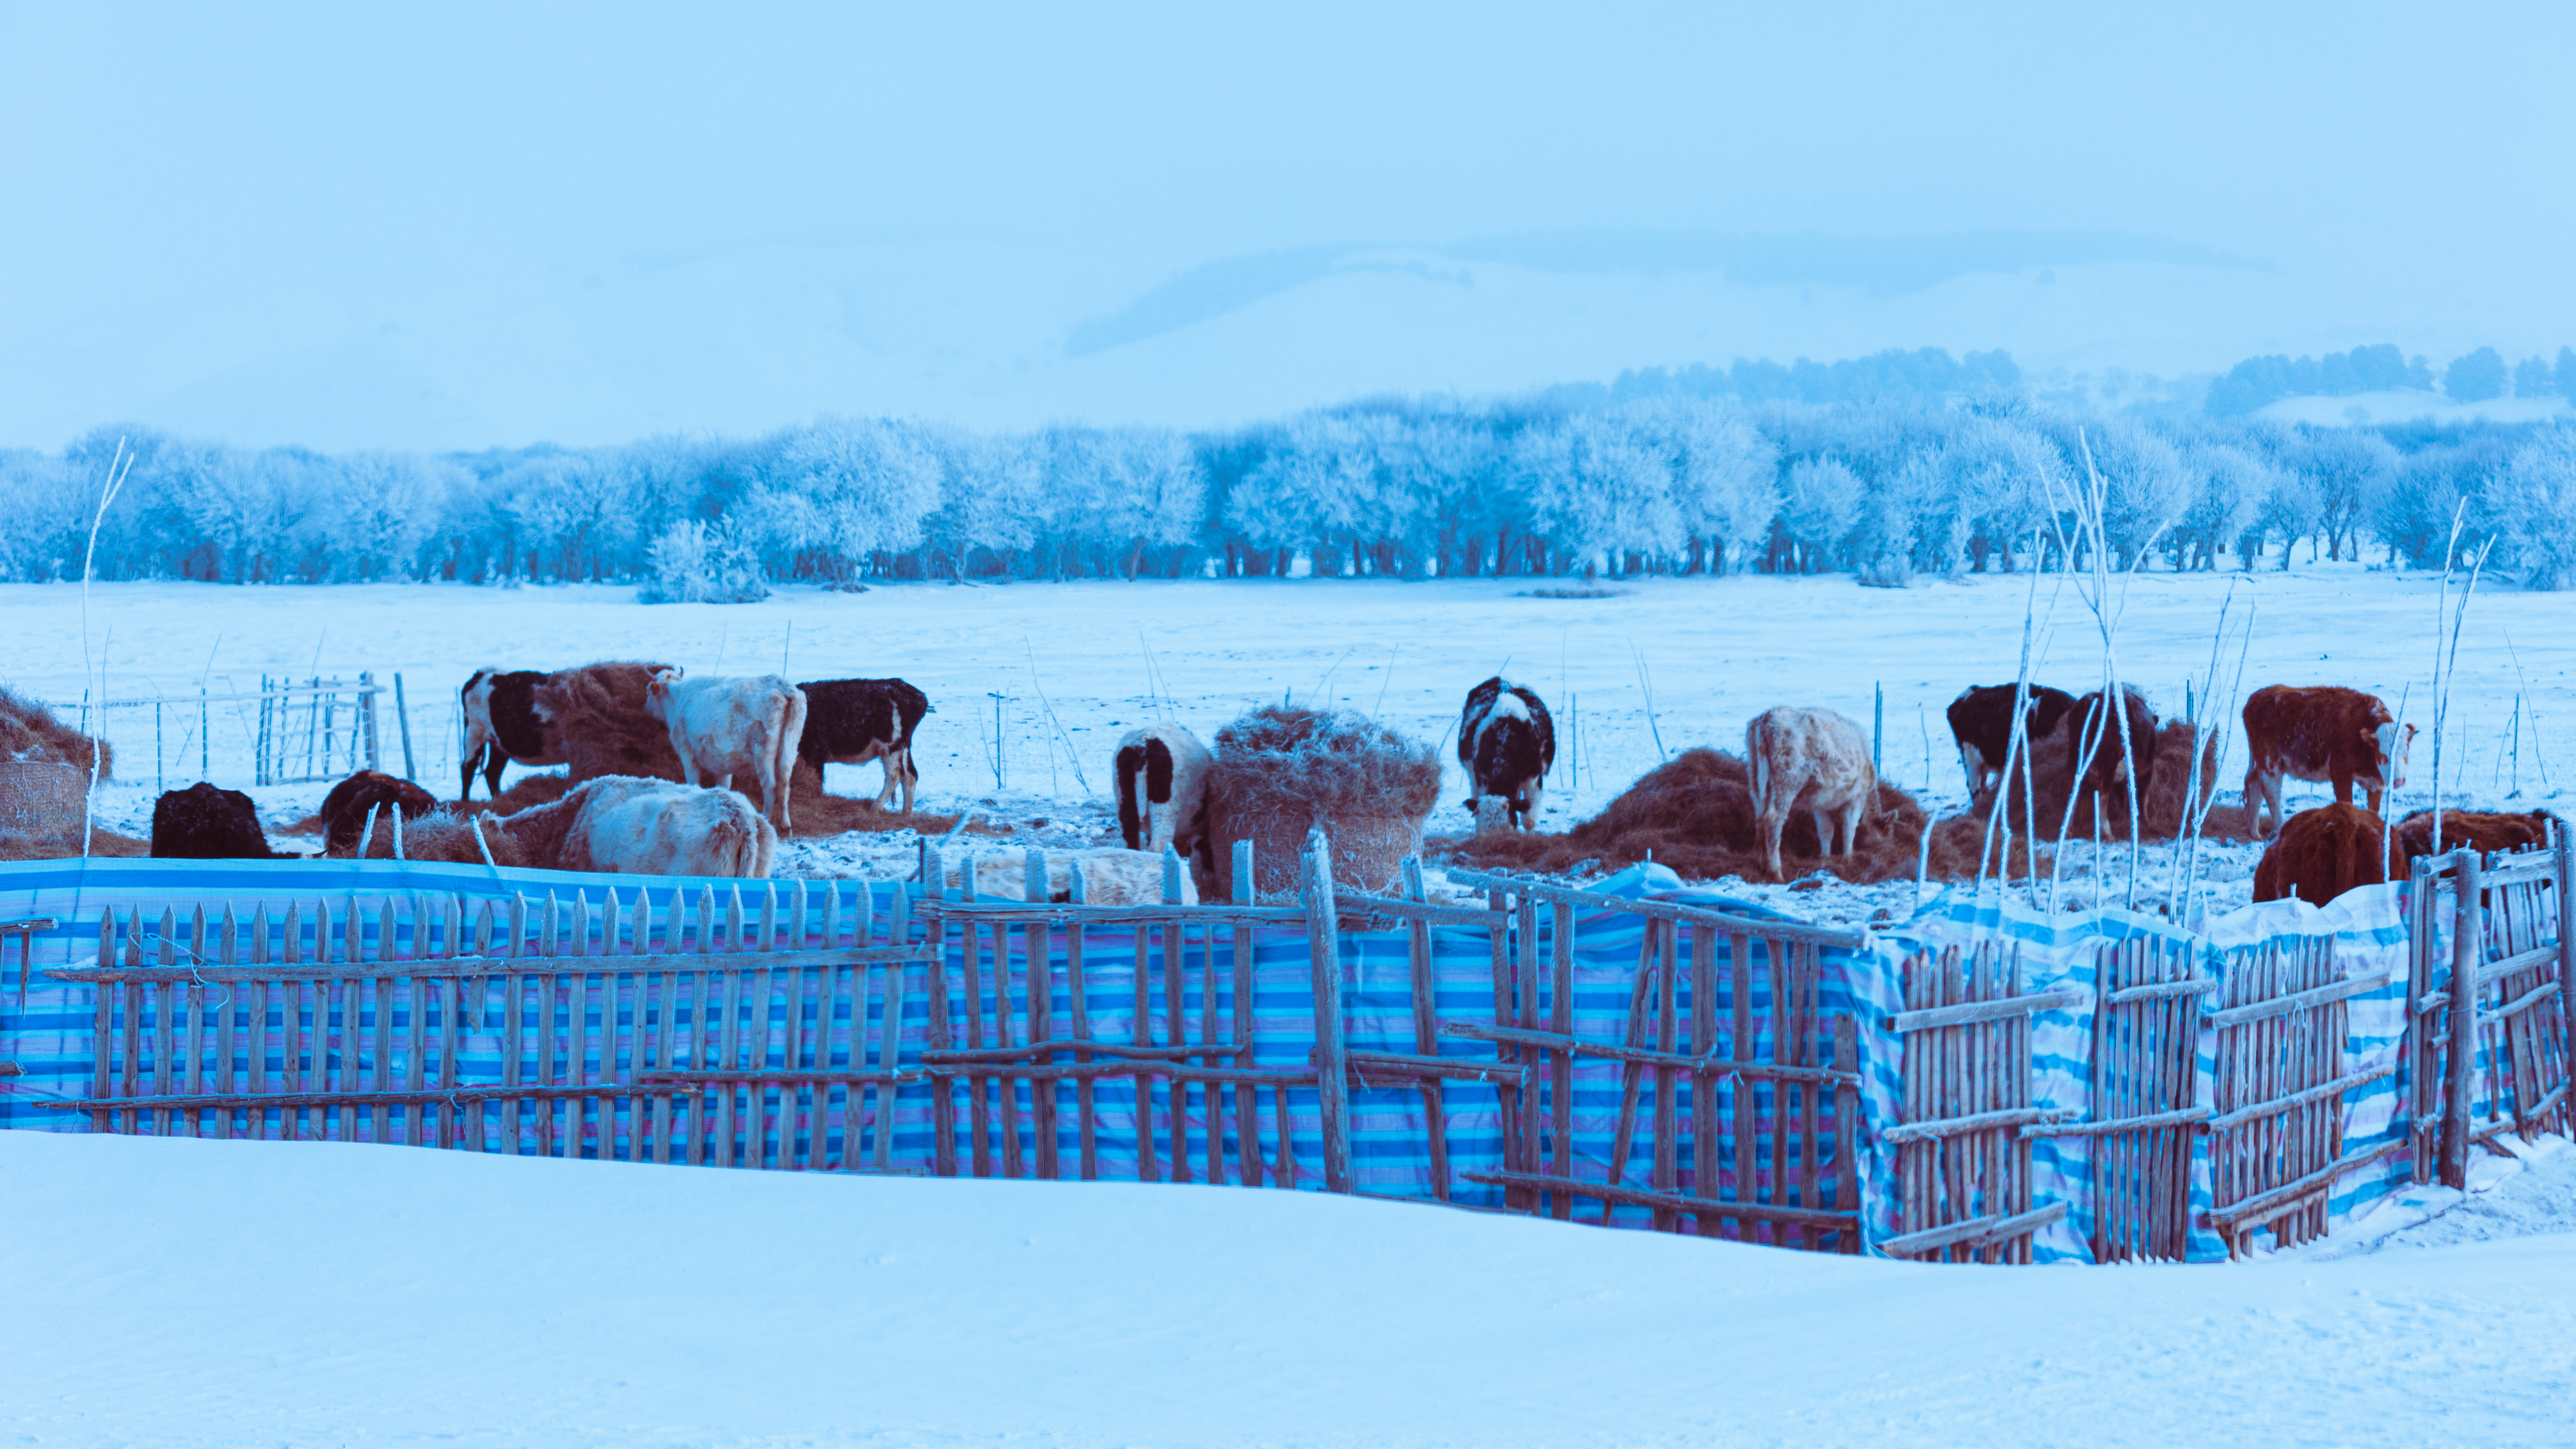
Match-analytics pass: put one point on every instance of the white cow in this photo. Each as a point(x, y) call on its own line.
point(621, 824)
point(1815, 759)
point(1162, 789)
point(727, 727)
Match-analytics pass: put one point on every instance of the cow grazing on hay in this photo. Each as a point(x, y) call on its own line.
point(2321, 854)
point(1162, 791)
point(502, 724)
point(2482, 831)
point(1812, 759)
point(2089, 726)
point(728, 727)
point(1508, 743)
point(359, 798)
point(853, 721)
point(2330, 735)
point(617, 824)
point(1981, 720)
point(203, 822)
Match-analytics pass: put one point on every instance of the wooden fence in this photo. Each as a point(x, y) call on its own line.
point(2255, 1084)
point(796, 1025)
point(1538, 1049)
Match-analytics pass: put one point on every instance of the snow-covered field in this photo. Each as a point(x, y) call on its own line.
point(176, 1292)
point(1078, 663)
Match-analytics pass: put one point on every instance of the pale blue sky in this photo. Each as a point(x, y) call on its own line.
point(216, 215)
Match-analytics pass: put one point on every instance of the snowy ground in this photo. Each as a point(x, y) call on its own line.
point(317, 1294)
point(1079, 663)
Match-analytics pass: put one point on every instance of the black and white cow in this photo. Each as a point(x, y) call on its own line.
point(1981, 720)
point(853, 721)
point(1162, 791)
point(1507, 742)
point(207, 822)
point(502, 724)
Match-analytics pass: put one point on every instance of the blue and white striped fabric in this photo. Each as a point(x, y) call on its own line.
point(2062, 952)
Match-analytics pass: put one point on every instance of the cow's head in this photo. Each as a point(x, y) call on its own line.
point(657, 692)
point(2392, 741)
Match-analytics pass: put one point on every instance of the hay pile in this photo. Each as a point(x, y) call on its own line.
point(30, 734)
point(1695, 815)
point(1280, 770)
point(1331, 761)
point(598, 712)
point(2167, 772)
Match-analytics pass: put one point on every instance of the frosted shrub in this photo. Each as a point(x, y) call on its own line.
point(694, 564)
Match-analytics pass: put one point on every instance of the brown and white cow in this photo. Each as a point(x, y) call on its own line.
point(620, 824)
point(503, 723)
point(1981, 720)
point(2336, 735)
point(1162, 791)
point(2321, 854)
point(727, 727)
point(1812, 759)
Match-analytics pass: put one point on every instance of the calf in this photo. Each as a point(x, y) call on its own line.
point(616, 824)
point(1162, 791)
point(502, 723)
point(2332, 735)
point(1981, 720)
point(2479, 830)
point(346, 810)
point(729, 727)
point(1508, 743)
point(206, 823)
point(853, 721)
point(1813, 758)
point(2321, 854)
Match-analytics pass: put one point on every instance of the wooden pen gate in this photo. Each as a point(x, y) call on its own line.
point(2509, 939)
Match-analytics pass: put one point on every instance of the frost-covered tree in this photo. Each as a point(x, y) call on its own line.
point(1598, 487)
point(2533, 502)
point(1819, 507)
point(2476, 377)
point(1131, 496)
point(1723, 477)
point(843, 492)
point(2344, 466)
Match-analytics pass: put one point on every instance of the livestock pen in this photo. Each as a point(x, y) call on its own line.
point(1984, 1083)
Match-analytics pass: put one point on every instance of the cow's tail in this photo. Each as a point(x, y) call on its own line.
point(791, 737)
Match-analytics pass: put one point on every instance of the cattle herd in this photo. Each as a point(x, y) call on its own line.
point(753, 733)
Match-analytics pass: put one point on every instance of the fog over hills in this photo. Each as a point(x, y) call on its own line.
point(356, 229)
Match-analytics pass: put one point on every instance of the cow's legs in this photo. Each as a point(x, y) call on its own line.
point(911, 778)
point(494, 762)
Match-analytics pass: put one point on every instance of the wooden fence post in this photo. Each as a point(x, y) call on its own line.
point(2566, 947)
point(1324, 946)
point(2468, 941)
point(402, 721)
point(367, 699)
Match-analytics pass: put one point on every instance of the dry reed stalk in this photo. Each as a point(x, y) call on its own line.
point(117, 470)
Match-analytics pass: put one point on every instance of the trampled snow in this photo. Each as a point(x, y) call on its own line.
point(1078, 663)
point(177, 1292)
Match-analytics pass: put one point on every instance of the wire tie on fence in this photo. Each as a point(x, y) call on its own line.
point(201, 983)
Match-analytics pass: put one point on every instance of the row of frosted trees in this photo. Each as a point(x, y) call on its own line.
point(1410, 488)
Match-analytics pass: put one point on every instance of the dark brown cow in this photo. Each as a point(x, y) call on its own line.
point(2113, 754)
point(2321, 854)
point(346, 810)
point(2480, 830)
point(2329, 735)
